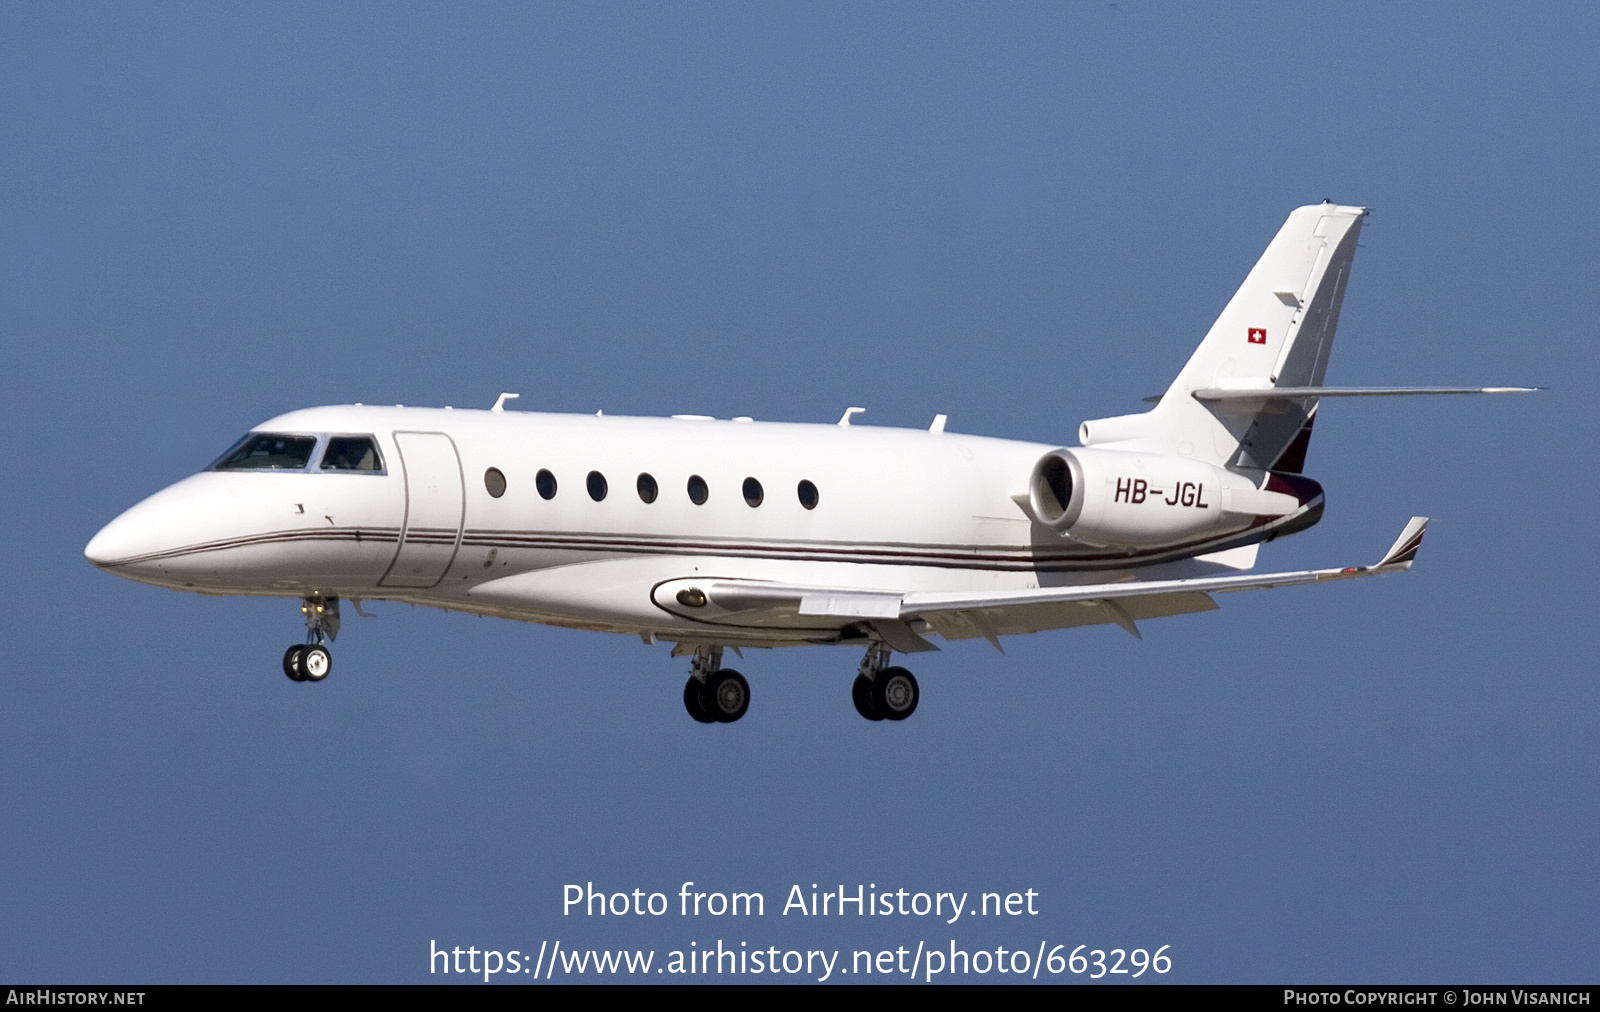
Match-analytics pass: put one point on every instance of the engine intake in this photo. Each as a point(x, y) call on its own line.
point(1056, 491)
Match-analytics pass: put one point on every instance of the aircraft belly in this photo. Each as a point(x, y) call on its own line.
point(607, 591)
point(612, 591)
point(619, 591)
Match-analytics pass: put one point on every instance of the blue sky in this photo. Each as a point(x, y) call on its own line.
point(1021, 216)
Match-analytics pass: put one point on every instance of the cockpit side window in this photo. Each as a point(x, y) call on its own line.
point(263, 451)
point(351, 453)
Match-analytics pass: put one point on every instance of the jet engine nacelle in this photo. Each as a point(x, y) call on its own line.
point(1137, 500)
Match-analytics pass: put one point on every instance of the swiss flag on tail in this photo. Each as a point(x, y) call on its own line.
point(1258, 335)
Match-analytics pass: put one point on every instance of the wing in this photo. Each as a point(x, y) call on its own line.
point(1005, 612)
point(898, 617)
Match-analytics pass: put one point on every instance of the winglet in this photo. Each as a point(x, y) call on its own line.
point(1405, 547)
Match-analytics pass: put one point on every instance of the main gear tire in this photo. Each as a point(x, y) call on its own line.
point(895, 693)
point(725, 696)
point(691, 702)
point(861, 695)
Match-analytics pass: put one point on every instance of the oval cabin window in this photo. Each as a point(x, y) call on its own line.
point(698, 492)
point(597, 486)
point(545, 482)
point(647, 488)
point(495, 482)
point(752, 493)
point(808, 495)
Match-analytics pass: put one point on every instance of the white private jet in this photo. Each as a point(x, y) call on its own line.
point(725, 534)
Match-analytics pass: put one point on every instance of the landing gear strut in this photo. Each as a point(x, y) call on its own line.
point(714, 694)
point(882, 692)
point(310, 661)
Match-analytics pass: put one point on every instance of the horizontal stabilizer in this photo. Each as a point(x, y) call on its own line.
point(1295, 393)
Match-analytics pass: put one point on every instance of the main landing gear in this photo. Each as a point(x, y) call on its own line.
point(882, 692)
point(714, 694)
point(310, 661)
point(717, 695)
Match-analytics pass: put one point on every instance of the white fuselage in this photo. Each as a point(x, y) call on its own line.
point(712, 534)
point(893, 508)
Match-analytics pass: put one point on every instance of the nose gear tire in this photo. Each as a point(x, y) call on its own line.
point(315, 663)
point(291, 662)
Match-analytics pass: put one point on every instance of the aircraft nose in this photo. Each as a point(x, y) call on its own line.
point(155, 541)
point(120, 541)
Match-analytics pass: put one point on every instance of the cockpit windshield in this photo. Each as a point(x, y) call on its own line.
point(351, 453)
point(261, 451)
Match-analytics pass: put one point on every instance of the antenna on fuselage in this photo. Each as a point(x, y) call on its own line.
point(500, 405)
point(848, 412)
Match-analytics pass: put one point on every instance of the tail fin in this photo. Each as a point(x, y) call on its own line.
point(1277, 330)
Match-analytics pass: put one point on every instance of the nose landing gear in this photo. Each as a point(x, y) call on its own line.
point(881, 692)
point(310, 661)
point(714, 694)
point(307, 662)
